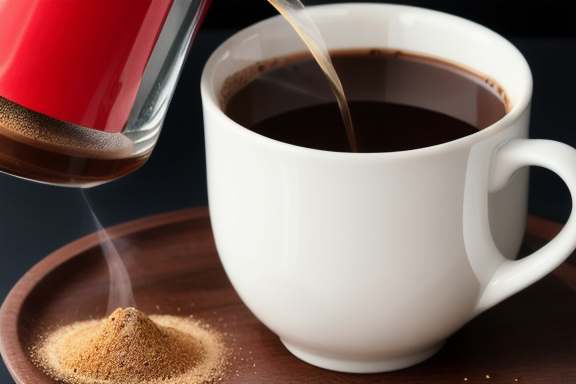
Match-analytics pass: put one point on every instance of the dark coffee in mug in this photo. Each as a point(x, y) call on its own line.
point(398, 101)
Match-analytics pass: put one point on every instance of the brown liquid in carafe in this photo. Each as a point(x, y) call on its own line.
point(44, 149)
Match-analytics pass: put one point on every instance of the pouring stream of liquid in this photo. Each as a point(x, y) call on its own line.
point(295, 13)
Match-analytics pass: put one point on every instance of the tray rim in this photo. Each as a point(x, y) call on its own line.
point(15, 357)
point(11, 308)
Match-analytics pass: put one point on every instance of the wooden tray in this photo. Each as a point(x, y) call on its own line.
point(529, 338)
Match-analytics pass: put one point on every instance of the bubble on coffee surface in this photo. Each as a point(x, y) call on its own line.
point(24, 125)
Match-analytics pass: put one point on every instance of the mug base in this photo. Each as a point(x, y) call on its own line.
point(360, 366)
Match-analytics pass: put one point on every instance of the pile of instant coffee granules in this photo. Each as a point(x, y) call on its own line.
point(129, 347)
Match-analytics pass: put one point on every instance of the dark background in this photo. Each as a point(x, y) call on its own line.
point(538, 18)
point(37, 219)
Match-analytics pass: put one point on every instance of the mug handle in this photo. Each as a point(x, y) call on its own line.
point(511, 276)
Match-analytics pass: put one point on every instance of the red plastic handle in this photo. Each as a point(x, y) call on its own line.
point(78, 61)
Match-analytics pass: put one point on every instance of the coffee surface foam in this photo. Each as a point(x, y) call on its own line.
point(41, 131)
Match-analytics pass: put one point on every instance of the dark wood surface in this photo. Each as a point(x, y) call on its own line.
point(171, 258)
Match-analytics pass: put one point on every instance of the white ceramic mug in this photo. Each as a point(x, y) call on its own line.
point(367, 262)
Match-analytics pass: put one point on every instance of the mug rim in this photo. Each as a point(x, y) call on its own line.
point(517, 109)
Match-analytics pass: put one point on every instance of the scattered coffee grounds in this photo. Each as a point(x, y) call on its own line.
point(129, 347)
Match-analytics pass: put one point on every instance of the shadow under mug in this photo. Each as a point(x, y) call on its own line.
point(367, 262)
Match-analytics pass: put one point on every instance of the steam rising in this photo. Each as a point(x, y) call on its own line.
point(120, 293)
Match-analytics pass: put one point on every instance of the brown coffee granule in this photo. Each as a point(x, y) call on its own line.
point(129, 347)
